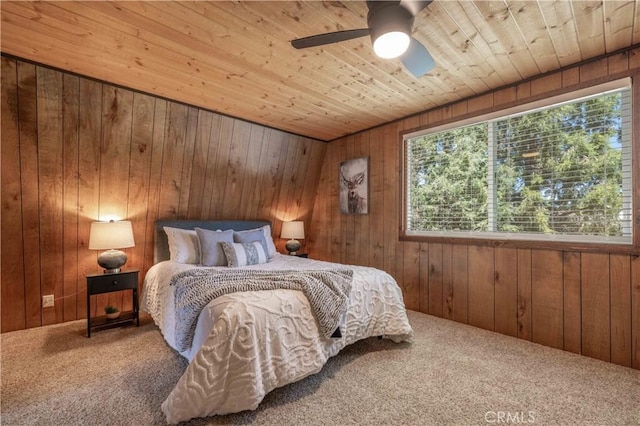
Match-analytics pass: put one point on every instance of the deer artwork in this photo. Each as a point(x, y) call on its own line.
point(355, 203)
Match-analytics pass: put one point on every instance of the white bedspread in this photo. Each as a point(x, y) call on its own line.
point(247, 344)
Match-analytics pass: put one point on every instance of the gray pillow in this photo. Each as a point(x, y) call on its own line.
point(250, 236)
point(210, 250)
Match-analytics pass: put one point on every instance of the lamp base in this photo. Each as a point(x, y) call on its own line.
point(112, 261)
point(292, 246)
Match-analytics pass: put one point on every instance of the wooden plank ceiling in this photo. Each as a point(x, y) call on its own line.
point(235, 57)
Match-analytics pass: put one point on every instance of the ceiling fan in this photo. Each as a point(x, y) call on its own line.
point(389, 24)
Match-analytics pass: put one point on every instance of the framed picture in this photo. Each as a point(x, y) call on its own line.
point(354, 186)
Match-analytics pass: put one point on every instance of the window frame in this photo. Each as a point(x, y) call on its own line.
point(524, 240)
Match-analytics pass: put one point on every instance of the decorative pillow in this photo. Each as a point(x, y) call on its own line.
point(250, 236)
point(211, 253)
point(183, 245)
point(242, 254)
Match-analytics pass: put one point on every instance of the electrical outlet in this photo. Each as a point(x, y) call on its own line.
point(47, 301)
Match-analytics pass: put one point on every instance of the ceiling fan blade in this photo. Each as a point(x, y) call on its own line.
point(328, 38)
point(417, 59)
point(415, 6)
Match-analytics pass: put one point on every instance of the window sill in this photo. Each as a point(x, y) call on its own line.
point(528, 244)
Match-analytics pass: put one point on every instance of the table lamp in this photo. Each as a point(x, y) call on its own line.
point(292, 230)
point(111, 236)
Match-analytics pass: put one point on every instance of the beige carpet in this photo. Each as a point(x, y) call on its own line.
point(451, 375)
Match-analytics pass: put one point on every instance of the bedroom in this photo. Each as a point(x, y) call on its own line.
point(162, 156)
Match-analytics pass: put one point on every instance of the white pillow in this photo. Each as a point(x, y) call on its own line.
point(243, 254)
point(271, 247)
point(184, 246)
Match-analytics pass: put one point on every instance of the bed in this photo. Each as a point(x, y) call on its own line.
point(244, 344)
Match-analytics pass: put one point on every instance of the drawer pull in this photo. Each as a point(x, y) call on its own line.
point(115, 282)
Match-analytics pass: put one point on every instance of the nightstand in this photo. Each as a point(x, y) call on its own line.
point(302, 255)
point(106, 283)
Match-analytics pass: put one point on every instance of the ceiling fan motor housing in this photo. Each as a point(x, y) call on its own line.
point(388, 16)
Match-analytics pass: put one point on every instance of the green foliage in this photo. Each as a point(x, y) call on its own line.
point(449, 180)
point(572, 185)
point(109, 309)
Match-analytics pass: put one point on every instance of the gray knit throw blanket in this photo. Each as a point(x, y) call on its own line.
point(327, 292)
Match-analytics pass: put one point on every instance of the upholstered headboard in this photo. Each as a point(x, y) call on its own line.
point(161, 243)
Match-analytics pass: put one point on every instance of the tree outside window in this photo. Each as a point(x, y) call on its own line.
point(557, 172)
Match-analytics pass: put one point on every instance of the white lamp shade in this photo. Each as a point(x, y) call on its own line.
point(111, 235)
point(294, 230)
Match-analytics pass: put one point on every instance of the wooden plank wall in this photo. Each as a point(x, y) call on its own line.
point(586, 303)
point(75, 150)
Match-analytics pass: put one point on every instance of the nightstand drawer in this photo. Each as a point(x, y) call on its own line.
point(112, 282)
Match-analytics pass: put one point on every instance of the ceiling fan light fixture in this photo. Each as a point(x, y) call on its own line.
point(390, 25)
point(391, 44)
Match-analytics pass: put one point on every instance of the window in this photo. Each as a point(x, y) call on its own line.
point(558, 170)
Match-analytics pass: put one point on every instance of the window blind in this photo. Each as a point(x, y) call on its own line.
point(561, 171)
